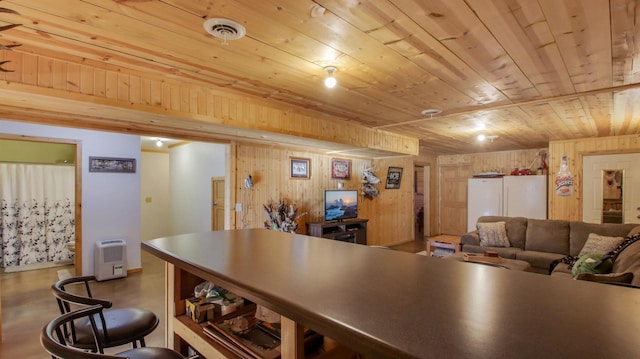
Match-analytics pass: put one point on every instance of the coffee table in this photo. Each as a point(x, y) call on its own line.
point(506, 263)
point(448, 242)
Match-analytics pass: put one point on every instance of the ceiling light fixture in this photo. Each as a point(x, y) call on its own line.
point(317, 10)
point(482, 137)
point(158, 143)
point(431, 112)
point(330, 81)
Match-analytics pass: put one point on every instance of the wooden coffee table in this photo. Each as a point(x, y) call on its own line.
point(506, 263)
point(443, 241)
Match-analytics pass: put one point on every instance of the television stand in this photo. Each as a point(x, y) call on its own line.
point(347, 230)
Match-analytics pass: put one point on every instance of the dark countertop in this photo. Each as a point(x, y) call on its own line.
point(393, 304)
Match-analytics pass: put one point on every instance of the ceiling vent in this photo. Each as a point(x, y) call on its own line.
point(431, 112)
point(225, 29)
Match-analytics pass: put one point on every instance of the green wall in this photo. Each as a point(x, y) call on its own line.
point(36, 152)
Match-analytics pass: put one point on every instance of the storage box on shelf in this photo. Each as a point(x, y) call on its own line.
point(184, 332)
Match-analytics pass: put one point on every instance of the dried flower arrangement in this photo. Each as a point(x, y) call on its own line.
point(282, 217)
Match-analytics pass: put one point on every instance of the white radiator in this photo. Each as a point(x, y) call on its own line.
point(110, 259)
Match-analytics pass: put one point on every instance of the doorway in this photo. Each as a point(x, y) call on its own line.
point(27, 153)
point(419, 208)
point(217, 203)
point(594, 170)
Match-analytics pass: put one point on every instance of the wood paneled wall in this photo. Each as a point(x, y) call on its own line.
point(570, 207)
point(102, 96)
point(453, 173)
point(390, 214)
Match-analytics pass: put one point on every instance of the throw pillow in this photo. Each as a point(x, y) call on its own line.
point(493, 234)
point(600, 244)
point(592, 263)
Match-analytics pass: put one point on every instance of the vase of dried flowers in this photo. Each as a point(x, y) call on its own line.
point(282, 216)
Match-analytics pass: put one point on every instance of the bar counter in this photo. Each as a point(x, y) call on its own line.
point(390, 304)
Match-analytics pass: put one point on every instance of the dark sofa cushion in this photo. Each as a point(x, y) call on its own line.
point(580, 232)
point(504, 252)
point(548, 235)
point(540, 261)
point(516, 228)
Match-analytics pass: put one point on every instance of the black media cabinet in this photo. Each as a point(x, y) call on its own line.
point(348, 230)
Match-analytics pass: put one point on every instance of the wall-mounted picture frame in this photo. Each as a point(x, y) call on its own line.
point(340, 169)
point(394, 176)
point(300, 168)
point(112, 164)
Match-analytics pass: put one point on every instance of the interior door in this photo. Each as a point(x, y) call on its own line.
point(592, 167)
point(217, 203)
point(453, 198)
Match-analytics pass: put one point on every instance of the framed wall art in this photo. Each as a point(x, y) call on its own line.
point(340, 169)
point(394, 175)
point(112, 164)
point(300, 168)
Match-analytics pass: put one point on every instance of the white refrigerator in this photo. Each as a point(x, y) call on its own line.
point(512, 196)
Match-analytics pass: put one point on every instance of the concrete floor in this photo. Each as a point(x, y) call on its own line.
point(27, 302)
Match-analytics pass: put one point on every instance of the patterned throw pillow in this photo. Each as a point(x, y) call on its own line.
point(600, 244)
point(493, 234)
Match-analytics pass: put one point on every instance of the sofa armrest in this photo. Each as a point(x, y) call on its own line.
point(470, 238)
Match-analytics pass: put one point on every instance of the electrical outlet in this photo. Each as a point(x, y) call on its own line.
point(238, 207)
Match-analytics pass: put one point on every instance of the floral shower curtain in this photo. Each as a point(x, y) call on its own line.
point(36, 213)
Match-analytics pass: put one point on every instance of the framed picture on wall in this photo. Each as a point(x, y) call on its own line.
point(300, 168)
point(394, 175)
point(340, 169)
point(112, 164)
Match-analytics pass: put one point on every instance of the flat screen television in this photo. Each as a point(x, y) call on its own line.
point(340, 204)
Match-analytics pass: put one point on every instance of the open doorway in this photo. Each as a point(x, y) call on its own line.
point(51, 171)
point(420, 201)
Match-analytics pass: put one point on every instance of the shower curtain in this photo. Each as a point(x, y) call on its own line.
point(36, 213)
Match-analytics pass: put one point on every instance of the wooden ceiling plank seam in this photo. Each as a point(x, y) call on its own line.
point(597, 108)
point(583, 37)
point(625, 41)
point(517, 104)
point(457, 27)
point(428, 53)
point(525, 37)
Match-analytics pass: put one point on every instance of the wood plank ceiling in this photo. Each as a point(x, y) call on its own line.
point(526, 71)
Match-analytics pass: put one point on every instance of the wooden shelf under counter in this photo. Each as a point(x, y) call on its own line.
point(353, 295)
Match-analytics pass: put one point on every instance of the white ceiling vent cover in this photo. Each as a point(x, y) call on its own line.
point(225, 29)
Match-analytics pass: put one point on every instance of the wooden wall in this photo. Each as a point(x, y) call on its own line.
point(570, 207)
point(390, 214)
point(58, 91)
point(453, 172)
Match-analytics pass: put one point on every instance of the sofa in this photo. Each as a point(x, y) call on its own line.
point(542, 242)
